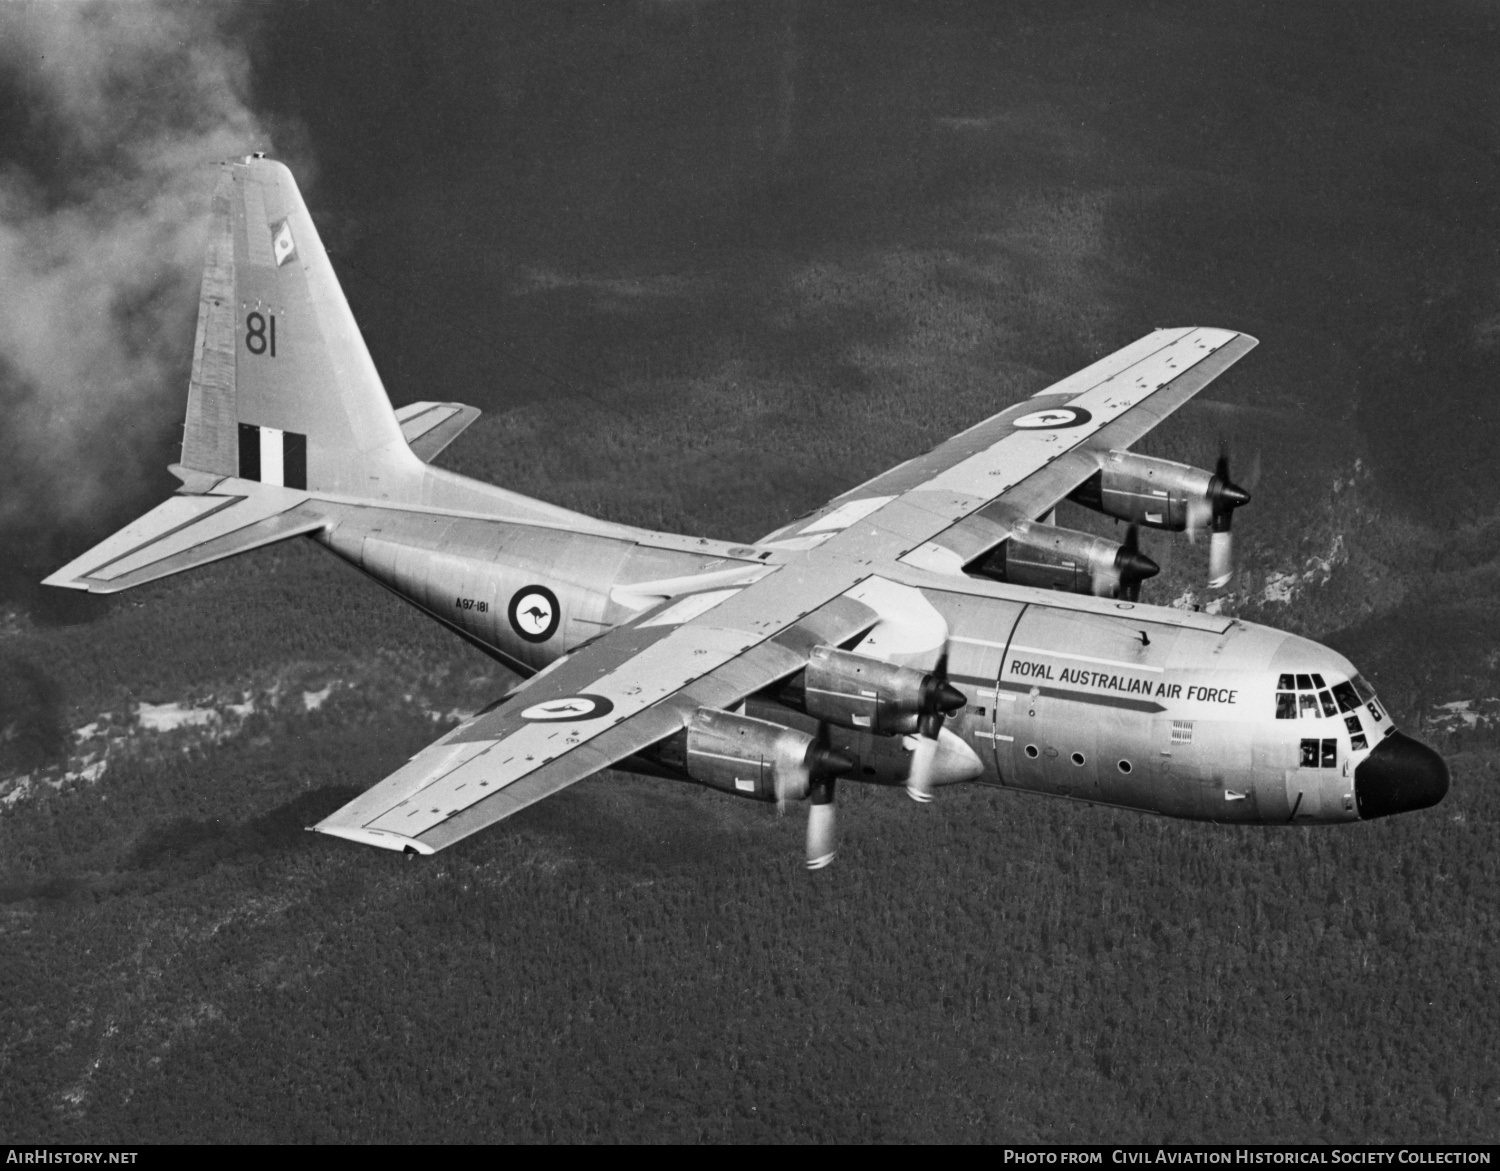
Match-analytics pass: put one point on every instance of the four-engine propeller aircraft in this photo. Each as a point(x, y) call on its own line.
point(928, 627)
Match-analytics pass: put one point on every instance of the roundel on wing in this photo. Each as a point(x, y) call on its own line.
point(1052, 419)
point(572, 707)
point(534, 613)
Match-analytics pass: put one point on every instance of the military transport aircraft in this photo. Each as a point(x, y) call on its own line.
point(931, 626)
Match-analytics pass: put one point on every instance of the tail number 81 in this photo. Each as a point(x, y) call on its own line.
point(260, 334)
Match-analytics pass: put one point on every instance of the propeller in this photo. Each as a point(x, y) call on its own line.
point(1223, 497)
point(938, 698)
point(814, 777)
point(1131, 567)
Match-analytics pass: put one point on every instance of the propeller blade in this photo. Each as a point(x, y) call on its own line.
point(822, 838)
point(919, 779)
point(1220, 559)
point(791, 785)
point(1200, 514)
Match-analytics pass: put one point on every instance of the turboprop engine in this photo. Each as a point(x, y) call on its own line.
point(1161, 494)
point(765, 762)
point(1053, 558)
point(856, 691)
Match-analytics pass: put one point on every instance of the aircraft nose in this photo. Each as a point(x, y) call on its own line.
point(1402, 774)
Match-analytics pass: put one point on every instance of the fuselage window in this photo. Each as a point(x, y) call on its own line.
point(1031, 751)
point(1307, 702)
point(1286, 705)
point(1078, 758)
point(1124, 766)
point(1320, 753)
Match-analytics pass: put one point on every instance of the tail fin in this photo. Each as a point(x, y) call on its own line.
point(284, 399)
point(283, 389)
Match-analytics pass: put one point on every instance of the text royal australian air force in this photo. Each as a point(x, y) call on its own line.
point(1143, 682)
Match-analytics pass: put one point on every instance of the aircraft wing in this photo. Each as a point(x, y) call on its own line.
point(620, 694)
point(641, 682)
point(962, 496)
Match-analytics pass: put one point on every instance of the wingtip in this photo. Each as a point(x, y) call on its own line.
point(374, 837)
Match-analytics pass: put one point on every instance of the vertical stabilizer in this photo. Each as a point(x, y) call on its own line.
point(283, 389)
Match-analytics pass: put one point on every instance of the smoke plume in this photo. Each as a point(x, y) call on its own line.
point(105, 176)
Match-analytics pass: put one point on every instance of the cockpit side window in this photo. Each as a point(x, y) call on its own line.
point(1367, 693)
point(1286, 705)
point(1348, 700)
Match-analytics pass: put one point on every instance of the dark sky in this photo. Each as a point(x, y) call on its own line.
point(1323, 175)
point(605, 208)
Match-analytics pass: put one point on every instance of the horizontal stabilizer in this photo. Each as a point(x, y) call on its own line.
point(430, 427)
point(185, 532)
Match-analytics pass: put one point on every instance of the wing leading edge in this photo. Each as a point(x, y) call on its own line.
point(963, 495)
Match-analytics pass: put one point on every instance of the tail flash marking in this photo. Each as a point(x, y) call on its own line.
point(272, 456)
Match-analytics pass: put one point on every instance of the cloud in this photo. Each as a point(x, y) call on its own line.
point(103, 219)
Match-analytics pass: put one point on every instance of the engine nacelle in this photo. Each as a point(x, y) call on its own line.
point(748, 757)
point(1156, 493)
point(856, 691)
point(1052, 558)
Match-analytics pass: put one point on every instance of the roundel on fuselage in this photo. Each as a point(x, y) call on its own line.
point(534, 613)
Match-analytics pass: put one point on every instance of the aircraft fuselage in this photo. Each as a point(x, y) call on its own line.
point(1108, 702)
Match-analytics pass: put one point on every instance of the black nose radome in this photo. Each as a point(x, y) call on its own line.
point(1402, 774)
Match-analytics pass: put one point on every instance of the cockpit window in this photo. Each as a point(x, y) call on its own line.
point(1307, 705)
point(1286, 683)
point(1363, 689)
point(1318, 680)
point(1327, 701)
point(1348, 700)
point(1286, 704)
point(1304, 682)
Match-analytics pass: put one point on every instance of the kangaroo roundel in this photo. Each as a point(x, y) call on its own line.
point(1054, 418)
point(534, 613)
point(568, 709)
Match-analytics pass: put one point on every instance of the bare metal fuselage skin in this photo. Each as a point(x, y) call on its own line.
point(1092, 699)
